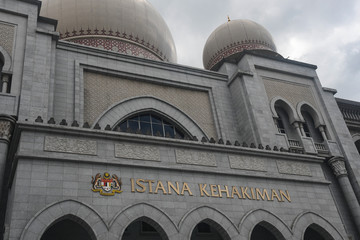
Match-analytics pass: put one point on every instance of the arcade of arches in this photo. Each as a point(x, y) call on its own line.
point(72, 228)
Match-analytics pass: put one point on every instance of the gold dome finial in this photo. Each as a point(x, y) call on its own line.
point(229, 19)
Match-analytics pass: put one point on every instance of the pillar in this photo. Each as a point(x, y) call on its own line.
point(6, 128)
point(5, 83)
point(337, 164)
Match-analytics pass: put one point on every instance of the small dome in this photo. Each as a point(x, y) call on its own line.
point(234, 37)
point(131, 27)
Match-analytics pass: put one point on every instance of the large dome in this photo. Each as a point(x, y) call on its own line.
point(132, 27)
point(233, 37)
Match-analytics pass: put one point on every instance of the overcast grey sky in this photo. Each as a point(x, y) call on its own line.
point(325, 33)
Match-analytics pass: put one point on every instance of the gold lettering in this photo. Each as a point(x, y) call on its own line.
point(234, 191)
point(202, 190)
point(160, 186)
point(171, 186)
point(224, 190)
point(138, 182)
point(262, 194)
point(286, 195)
point(244, 192)
point(132, 185)
point(274, 194)
point(150, 185)
point(213, 189)
point(185, 187)
point(252, 193)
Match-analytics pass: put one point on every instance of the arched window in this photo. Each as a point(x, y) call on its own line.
point(68, 227)
point(209, 229)
point(283, 123)
point(152, 124)
point(143, 229)
point(309, 127)
point(316, 232)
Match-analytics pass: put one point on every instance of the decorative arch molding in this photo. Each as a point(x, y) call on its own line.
point(286, 105)
point(267, 219)
point(119, 111)
point(318, 119)
point(36, 227)
point(211, 216)
point(7, 59)
point(356, 137)
point(148, 213)
point(305, 219)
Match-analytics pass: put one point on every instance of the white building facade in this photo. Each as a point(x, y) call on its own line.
point(104, 136)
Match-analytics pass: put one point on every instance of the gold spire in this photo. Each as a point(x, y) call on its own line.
point(229, 19)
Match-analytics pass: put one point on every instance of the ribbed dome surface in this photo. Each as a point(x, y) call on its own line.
point(132, 27)
point(234, 37)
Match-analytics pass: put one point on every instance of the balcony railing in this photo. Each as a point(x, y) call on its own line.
point(294, 143)
point(320, 147)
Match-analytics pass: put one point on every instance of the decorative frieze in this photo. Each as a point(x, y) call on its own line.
point(70, 145)
point(293, 168)
point(337, 164)
point(247, 163)
point(195, 157)
point(135, 151)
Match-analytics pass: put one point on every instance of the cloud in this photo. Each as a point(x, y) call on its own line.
point(323, 33)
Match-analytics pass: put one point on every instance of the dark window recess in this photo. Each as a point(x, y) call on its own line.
point(306, 130)
point(151, 124)
point(203, 228)
point(147, 228)
point(280, 125)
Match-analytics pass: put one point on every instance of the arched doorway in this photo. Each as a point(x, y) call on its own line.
point(68, 228)
point(264, 230)
point(315, 232)
point(144, 229)
point(208, 229)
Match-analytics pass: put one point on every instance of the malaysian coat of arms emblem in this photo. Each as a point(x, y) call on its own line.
point(106, 185)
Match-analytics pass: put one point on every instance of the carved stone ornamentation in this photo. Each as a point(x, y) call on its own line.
point(7, 37)
point(138, 152)
point(293, 168)
point(70, 145)
point(337, 164)
point(195, 157)
point(247, 163)
point(6, 127)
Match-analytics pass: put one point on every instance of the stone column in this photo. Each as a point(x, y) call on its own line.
point(5, 83)
point(6, 128)
point(302, 129)
point(337, 164)
point(297, 127)
point(323, 134)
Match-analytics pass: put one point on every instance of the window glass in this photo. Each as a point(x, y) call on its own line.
point(145, 128)
point(155, 119)
point(151, 124)
point(145, 118)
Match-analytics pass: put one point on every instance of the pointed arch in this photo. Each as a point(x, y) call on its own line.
point(318, 119)
point(306, 219)
point(58, 210)
point(69, 224)
point(266, 219)
point(143, 212)
point(119, 111)
point(225, 227)
point(286, 105)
